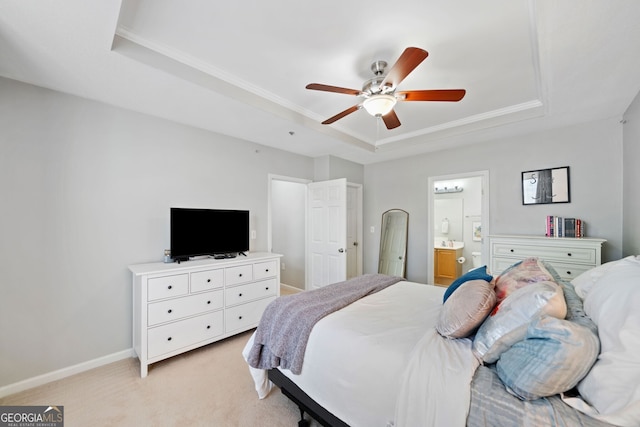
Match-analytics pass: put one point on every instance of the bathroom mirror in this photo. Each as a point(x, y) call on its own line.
point(393, 243)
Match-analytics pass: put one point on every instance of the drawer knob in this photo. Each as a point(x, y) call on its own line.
point(208, 280)
point(266, 270)
point(169, 339)
point(239, 317)
point(568, 273)
point(208, 302)
point(267, 288)
point(169, 287)
point(511, 250)
point(208, 326)
point(569, 254)
point(169, 311)
point(240, 275)
point(240, 294)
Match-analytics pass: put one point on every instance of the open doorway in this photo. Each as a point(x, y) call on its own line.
point(288, 224)
point(458, 218)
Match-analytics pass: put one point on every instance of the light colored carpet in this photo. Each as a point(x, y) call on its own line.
point(209, 386)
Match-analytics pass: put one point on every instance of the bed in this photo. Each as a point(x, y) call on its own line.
point(522, 349)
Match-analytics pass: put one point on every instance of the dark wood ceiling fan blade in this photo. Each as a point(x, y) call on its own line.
point(451, 95)
point(408, 61)
point(336, 89)
point(341, 114)
point(391, 120)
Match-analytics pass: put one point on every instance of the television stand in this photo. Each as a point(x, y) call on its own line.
point(180, 307)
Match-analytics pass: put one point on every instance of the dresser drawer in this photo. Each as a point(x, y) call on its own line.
point(178, 308)
point(171, 337)
point(245, 316)
point(239, 274)
point(167, 287)
point(548, 253)
point(249, 292)
point(206, 280)
point(263, 270)
point(569, 272)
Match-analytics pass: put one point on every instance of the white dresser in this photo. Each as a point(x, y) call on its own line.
point(569, 256)
point(179, 307)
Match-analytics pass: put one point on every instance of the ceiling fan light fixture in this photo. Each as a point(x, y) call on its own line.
point(379, 105)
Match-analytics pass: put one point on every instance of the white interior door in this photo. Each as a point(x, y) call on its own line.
point(327, 212)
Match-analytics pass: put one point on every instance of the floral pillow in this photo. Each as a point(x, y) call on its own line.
point(520, 274)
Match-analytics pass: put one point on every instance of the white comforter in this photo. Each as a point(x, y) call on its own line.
point(380, 362)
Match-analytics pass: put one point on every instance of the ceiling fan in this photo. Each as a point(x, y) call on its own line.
point(380, 95)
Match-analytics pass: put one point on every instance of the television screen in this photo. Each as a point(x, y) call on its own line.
point(196, 232)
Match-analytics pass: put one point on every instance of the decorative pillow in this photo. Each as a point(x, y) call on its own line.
point(523, 273)
point(479, 273)
point(508, 322)
point(612, 386)
point(466, 309)
point(554, 355)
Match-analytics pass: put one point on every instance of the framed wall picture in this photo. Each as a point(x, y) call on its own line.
point(476, 231)
point(546, 186)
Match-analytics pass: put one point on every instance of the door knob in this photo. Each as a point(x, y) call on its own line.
point(341, 250)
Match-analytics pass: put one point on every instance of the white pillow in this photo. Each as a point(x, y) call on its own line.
point(612, 386)
point(585, 281)
point(508, 322)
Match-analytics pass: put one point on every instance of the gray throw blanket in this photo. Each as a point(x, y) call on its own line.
point(285, 326)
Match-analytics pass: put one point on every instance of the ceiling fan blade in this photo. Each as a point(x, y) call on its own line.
point(341, 115)
point(336, 89)
point(451, 95)
point(408, 61)
point(391, 120)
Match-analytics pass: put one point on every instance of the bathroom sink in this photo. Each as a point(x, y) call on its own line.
point(453, 245)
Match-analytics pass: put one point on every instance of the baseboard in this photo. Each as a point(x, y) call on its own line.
point(291, 288)
point(64, 372)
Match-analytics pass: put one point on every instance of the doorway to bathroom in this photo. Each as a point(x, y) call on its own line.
point(458, 218)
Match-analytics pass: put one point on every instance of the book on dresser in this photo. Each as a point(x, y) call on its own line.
point(180, 307)
point(556, 226)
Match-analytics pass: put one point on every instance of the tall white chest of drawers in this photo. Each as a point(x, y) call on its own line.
point(179, 307)
point(569, 256)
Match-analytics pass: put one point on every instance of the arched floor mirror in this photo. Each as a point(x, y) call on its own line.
point(393, 243)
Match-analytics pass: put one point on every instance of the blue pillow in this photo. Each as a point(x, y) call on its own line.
point(554, 356)
point(479, 273)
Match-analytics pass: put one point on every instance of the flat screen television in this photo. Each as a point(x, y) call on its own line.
point(215, 232)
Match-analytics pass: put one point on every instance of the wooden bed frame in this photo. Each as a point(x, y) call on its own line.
point(304, 402)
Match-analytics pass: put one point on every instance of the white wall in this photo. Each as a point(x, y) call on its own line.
point(593, 151)
point(86, 191)
point(631, 215)
point(331, 167)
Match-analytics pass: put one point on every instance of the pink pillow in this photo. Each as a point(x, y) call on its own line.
point(466, 309)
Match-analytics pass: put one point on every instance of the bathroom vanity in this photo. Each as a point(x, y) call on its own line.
point(446, 267)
